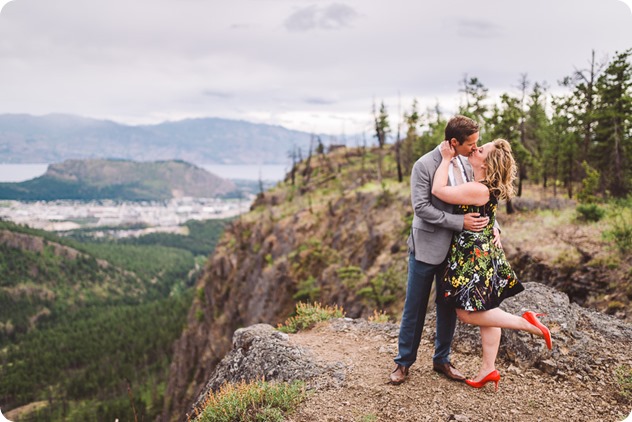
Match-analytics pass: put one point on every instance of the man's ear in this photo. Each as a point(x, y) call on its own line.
point(454, 142)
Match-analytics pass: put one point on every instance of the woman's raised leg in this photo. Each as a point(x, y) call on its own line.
point(497, 318)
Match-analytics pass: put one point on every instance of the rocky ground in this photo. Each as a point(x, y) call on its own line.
point(346, 363)
point(367, 350)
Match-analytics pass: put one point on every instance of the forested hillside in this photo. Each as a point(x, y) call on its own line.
point(82, 321)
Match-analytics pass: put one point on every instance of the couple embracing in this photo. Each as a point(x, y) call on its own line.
point(455, 239)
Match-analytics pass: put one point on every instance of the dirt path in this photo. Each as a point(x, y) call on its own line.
point(524, 395)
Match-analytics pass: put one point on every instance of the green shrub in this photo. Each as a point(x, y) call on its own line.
point(624, 379)
point(252, 401)
point(587, 193)
point(350, 276)
point(307, 290)
point(621, 227)
point(383, 289)
point(200, 294)
point(385, 198)
point(199, 315)
point(614, 306)
point(590, 212)
point(308, 315)
point(407, 223)
point(269, 260)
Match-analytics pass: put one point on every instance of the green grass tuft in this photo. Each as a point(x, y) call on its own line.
point(378, 317)
point(252, 401)
point(308, 315)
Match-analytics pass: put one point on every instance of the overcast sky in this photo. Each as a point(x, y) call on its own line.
point(313, 65)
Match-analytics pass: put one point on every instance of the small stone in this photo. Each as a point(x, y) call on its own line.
point(549, 366)
point(514, 370)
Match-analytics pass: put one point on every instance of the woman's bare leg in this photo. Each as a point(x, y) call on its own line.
point(490, 337)
point(497, 318)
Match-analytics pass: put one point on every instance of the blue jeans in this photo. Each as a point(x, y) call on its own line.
point(420, 279)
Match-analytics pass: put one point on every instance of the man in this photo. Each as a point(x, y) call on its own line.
point(428, 244)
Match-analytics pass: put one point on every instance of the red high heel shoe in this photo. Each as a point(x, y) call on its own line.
point(493, 376)
point(533, 320)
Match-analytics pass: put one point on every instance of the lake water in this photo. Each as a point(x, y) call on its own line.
point(273, 172)
point(21, 172)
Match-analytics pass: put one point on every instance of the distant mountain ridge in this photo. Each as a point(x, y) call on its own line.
point(57, 137)
point(119, 179)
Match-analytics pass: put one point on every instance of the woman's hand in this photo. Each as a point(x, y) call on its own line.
point(447, 152)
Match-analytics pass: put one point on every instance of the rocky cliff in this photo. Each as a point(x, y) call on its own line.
point(335, 236)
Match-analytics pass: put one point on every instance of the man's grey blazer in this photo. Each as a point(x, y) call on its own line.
point(433, 222)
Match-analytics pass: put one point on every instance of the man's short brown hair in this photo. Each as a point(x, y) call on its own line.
point(460, 127)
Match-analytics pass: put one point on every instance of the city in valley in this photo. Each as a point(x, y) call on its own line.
point(120, 218)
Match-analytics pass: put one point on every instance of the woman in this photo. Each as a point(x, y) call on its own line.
point(477, 276)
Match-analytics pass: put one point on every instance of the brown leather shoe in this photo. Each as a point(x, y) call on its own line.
point(448, 370)
point(399, 375)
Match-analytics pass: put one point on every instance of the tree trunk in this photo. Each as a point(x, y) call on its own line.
point(398, 158)
point(569, 180)
point(510, 208)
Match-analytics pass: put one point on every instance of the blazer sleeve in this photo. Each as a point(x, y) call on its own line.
point(421, 187)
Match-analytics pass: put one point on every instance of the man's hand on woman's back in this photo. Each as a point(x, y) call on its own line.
point(474, 222)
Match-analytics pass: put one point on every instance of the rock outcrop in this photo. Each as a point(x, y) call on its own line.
point(583, 339)
point(260, 352)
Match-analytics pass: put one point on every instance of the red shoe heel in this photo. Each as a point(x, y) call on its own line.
point(493, 376)
point(532, 317)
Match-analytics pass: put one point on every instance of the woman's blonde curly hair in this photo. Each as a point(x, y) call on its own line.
point(501, 170)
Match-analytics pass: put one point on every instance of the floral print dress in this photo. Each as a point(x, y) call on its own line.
point(477, 275)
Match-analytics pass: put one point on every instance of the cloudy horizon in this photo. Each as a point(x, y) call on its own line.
point(315, 65)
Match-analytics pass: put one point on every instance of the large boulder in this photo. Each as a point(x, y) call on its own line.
point(260, 352)
point(583, 339)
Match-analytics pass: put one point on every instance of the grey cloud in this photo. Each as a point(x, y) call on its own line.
point(319, 101)
point(333, 16)
point(217, 94)
point(478, 29)
point(241, 26)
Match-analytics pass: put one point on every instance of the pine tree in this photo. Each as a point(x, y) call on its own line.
point(433, 130)
point(409, 156)
point(537, 129)
point(613, 112)
point(566, 145)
